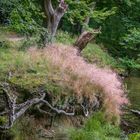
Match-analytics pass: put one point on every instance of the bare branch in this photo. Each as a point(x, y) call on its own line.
point(85, 110)
point(15, 111)
point(27, 103)
point(137, 112)
point(62, 5)
point(57, 110)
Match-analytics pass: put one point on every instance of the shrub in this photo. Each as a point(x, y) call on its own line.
point(85, 80)
point(27, 17)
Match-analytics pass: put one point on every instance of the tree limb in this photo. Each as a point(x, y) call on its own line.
point(57, 110)
point(136, 112)
point(15, 111)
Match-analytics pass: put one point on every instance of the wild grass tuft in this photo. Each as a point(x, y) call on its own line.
point(96, 128)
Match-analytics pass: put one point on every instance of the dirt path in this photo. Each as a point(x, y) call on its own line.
point(15, 38)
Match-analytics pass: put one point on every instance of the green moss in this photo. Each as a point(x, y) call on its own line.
point(28, 81)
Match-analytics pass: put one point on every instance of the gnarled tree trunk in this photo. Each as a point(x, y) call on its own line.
point(54, 16)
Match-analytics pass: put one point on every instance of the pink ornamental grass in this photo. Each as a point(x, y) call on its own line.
point(85, 79)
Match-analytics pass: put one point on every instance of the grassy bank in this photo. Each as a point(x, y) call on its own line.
point(28, 70)
point(93, 53)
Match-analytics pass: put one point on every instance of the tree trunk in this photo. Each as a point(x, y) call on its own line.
point(53, 17)
point(85, 38)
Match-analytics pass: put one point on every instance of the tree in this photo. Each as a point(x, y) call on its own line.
point(54, 15)
point(83, 17)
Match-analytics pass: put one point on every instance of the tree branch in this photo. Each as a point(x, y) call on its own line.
point(57, 110)
point(136, 112)
point(15, 110)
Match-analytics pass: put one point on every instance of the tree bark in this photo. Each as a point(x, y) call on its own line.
point(136, 112)
point(54, 17)
point(15, 111)
point(85, 38)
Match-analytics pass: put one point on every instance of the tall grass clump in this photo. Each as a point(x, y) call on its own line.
point(96, 128)
point(66, 76)
point(72, 72)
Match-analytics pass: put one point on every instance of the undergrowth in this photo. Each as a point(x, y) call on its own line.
point(96, 128)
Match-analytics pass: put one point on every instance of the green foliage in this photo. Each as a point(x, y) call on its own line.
point(76, 13)
point(75, 16)
point(121, 32)
point(65, 38)
point(6, 7)
point(96, 128)
point(135, 136)
point(132, 38)
point(97, 54)
point(128, 64)
point(27, 17)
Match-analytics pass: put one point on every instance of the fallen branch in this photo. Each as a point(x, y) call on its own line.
point(136, 112)
point(57, 110)
point(15, 111)
point(85, 38)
